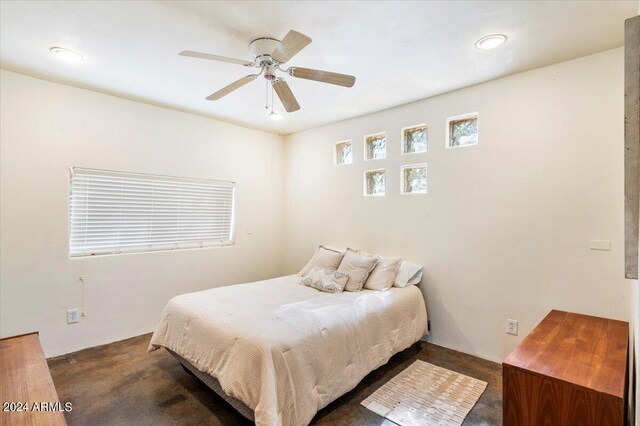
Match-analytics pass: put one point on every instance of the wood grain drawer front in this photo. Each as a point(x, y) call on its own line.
point(532, 400)
point(570, 370)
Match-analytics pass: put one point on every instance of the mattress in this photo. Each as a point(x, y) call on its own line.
point(286, 350)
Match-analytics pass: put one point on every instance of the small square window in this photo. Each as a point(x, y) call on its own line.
point(375, 146)
point(343, 153)
point(462, 131)
point(374, 182)
point(414, 179)
point(414, 139)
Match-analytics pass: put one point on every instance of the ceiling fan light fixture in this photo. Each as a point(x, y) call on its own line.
point(274, 116)
point(65, 55)
point(491, 41)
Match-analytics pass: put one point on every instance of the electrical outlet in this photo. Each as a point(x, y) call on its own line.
point(73, 315)
point(512, 327)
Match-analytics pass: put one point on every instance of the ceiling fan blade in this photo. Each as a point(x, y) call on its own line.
point(286, 95)
point(211, 57)
point(323, 76)
point(290, 45)
point(230, 88)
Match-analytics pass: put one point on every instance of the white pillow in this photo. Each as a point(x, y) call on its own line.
point(338, 249)
point(384, 274)
point(324, 258)
point(325, 280)
point(408, 274)
point(358, 267)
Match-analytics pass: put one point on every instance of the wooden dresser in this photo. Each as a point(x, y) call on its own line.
point(24, 380)
point(571, 370)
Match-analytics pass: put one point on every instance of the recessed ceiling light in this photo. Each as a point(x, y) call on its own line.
point(491, 41)
point(274, 116)
point(66, 55)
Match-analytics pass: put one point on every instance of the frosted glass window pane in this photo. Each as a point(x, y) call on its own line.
point(415, 140)
point(376, 146)
point(463, 132)
point(414, 179)
point(375, 182)
point(343, 153)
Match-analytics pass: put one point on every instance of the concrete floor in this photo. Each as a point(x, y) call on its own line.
point(121, 384)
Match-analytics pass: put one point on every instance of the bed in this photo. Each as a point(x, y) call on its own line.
point(279, 351)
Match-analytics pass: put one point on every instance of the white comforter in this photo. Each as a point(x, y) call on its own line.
point(287, 350)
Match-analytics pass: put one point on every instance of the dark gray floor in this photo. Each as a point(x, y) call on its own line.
point(122, 384)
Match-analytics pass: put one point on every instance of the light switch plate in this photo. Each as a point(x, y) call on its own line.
point(604, 245)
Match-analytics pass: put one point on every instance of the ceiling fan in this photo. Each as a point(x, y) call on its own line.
point(268, 55)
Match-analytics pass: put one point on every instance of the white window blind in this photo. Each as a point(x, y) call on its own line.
point(116, 212)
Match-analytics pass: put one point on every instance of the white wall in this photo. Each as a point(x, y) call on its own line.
point(505, 228)
point(47, 128)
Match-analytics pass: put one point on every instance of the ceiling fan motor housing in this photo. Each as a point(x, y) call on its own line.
point(261, 50)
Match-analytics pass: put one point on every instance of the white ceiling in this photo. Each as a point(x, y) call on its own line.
point(399, 51)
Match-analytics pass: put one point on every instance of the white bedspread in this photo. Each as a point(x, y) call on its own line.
point(287, 350)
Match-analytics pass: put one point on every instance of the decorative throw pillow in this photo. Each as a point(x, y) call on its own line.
point(325, 280)
point(408, 274)
point(358, 267)
point(324, 258)
point(338, 249)
point(384, 273)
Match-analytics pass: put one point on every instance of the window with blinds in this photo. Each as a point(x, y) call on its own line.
point(116, 212)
